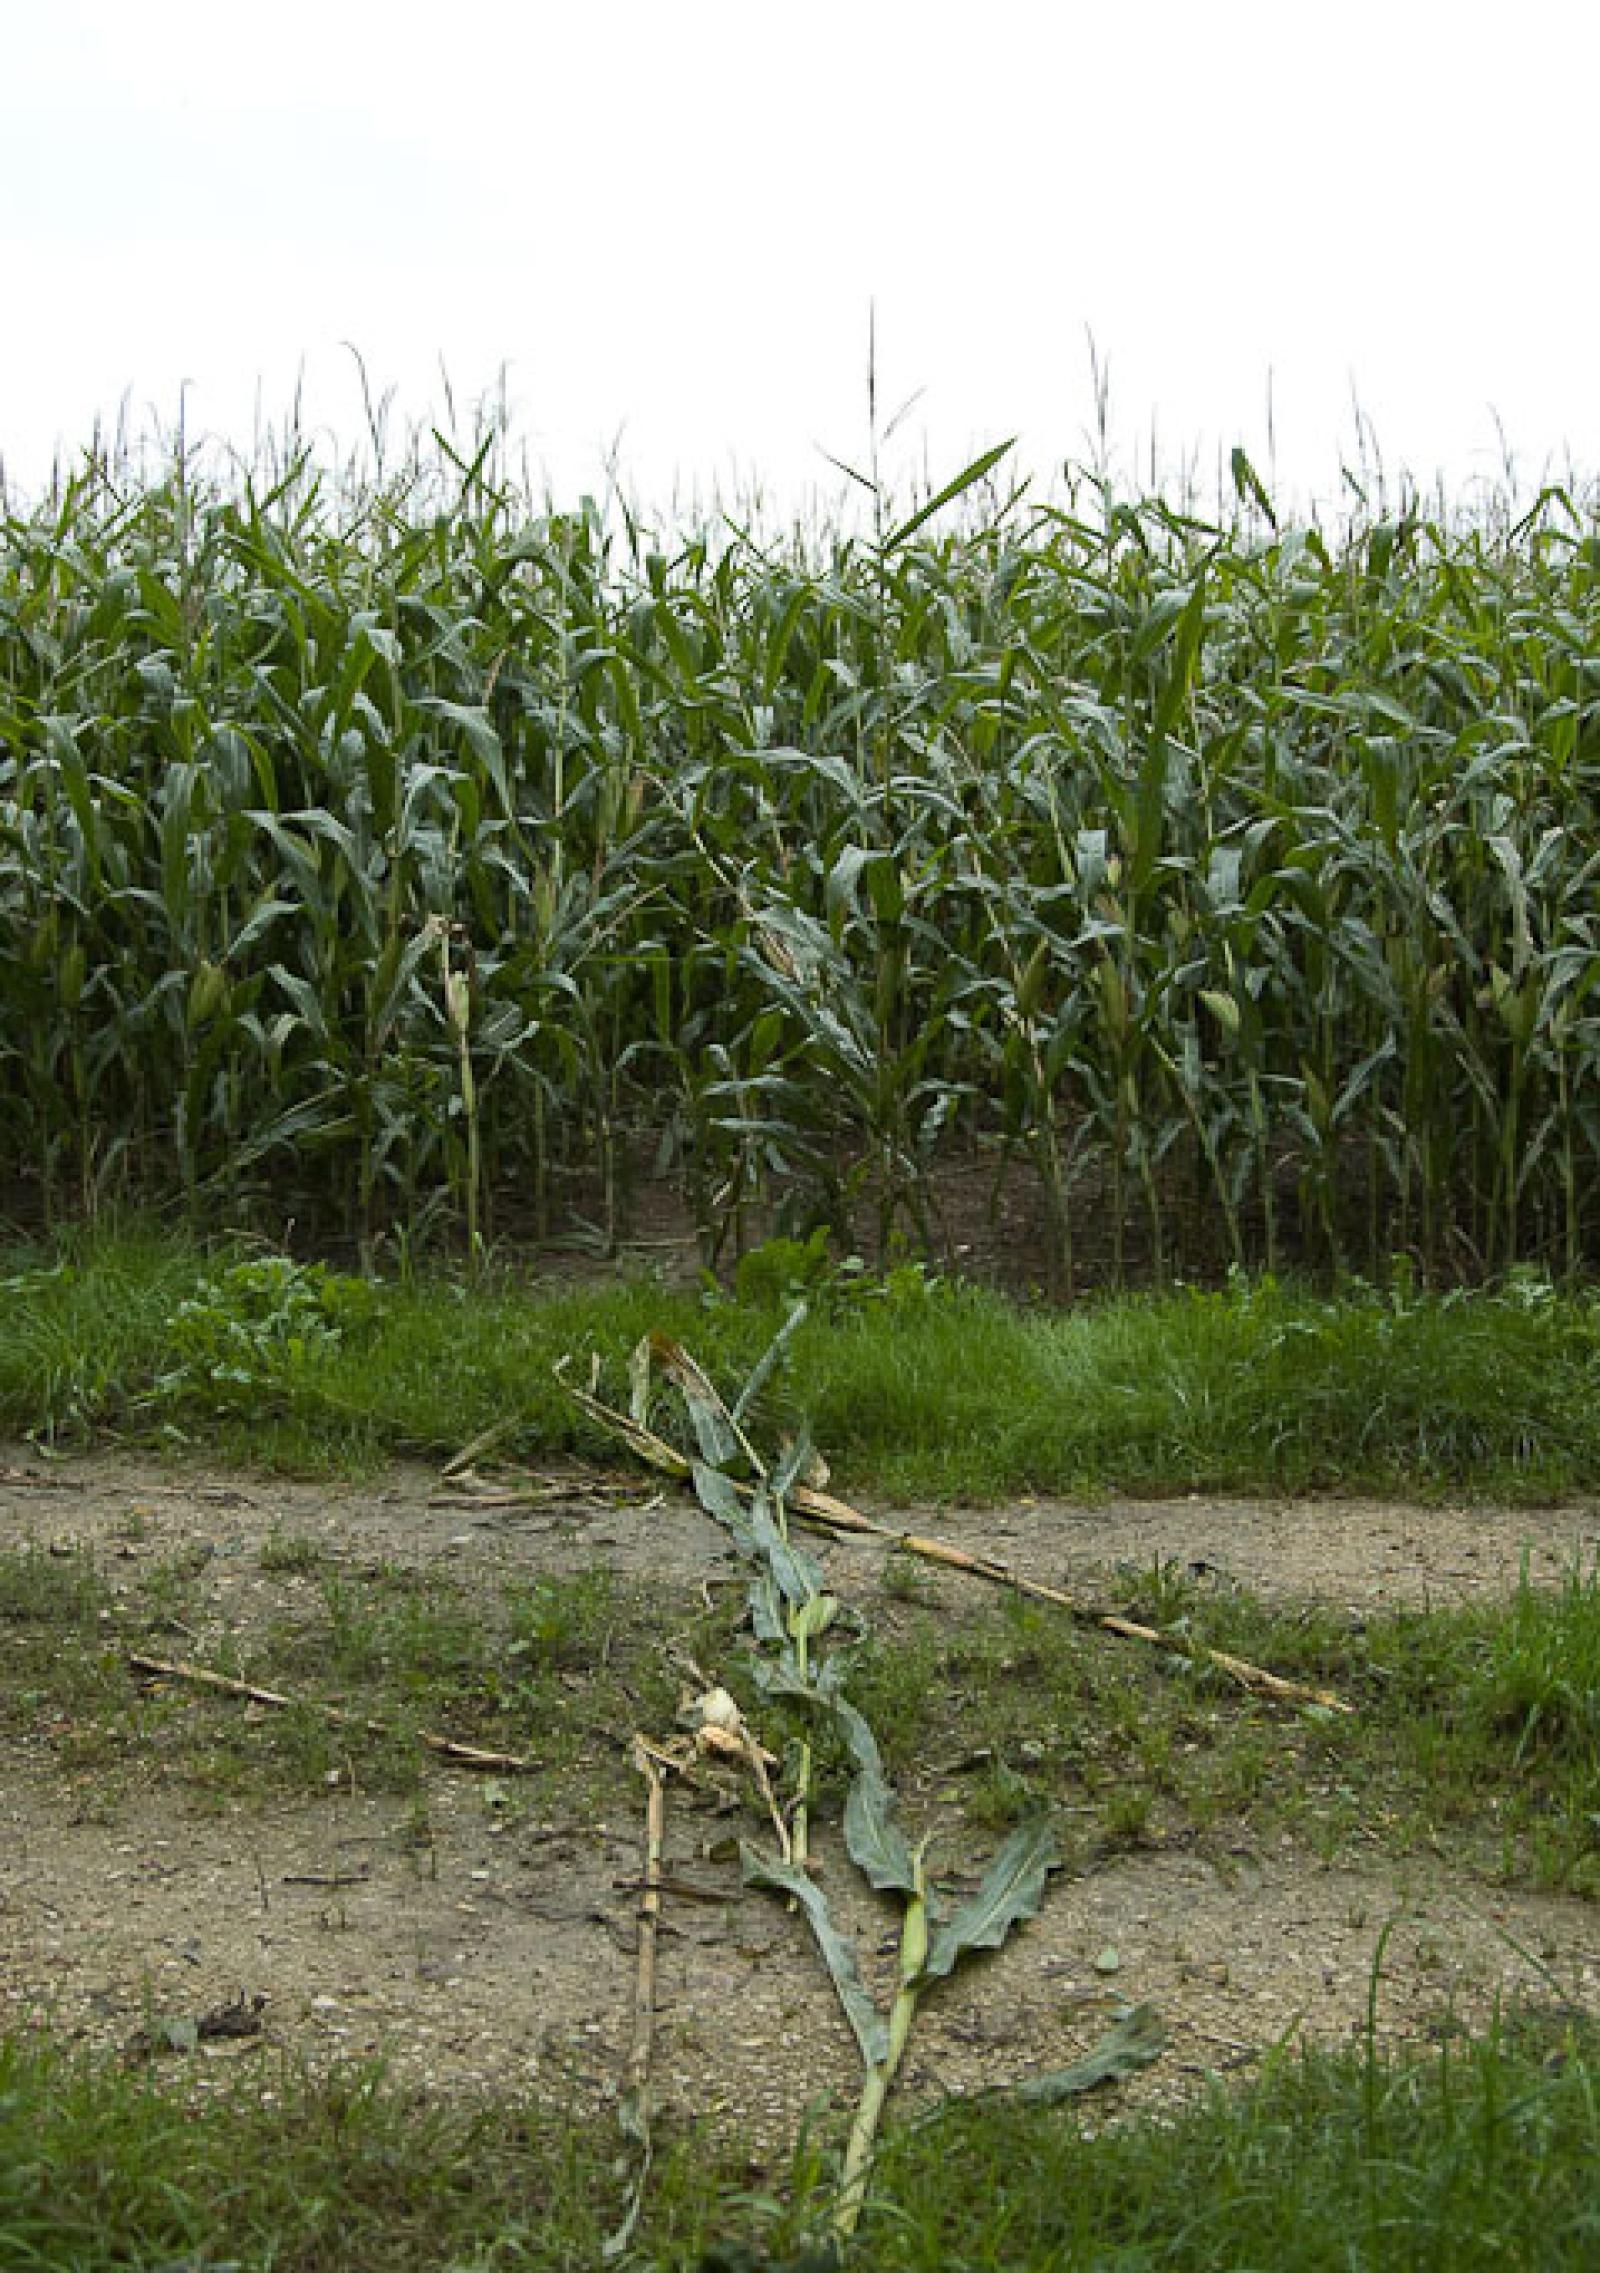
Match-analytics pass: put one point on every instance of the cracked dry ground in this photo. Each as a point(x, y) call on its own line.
point(482, 1941)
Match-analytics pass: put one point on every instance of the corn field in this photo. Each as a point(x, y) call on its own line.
point(400, 854)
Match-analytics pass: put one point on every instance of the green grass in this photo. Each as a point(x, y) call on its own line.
point(1480, 2155)
point(1471, 2159)
point(1473, 1727)
point(560, 1669)
point(914, 1388)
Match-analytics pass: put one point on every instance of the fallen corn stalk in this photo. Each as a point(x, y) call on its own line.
point(823, 1511)
point(633, 2109)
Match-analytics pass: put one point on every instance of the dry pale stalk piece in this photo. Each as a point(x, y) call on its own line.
point(484, 1441)
point(654, 1762)
point(719, 1731)
point(636, 2073)
point(827, 1513)
point(633, 2110)
point(447, 1747)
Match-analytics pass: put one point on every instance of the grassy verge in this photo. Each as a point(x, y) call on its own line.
point(915, 1389)
point(1480, 2155)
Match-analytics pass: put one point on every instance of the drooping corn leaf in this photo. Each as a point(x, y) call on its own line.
point(817, 1686)
point(716, 1431)
point(654, 1450)
point(747, 1518)
point(766, 1365)
point(871, 2029)
point(799, 1463)
point(1139, 2037)
point(725, 1504)
point(766, 1610)
point(877, 1844)
point(1012, 1889)
point(799, 1575)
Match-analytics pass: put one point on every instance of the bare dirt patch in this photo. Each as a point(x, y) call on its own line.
point(481, 1936)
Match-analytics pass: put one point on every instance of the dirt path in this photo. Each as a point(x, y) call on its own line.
point(491, 1946)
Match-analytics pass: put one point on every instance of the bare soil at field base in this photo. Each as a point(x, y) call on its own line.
point(496, 1953)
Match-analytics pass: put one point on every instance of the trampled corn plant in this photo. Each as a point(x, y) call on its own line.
point(798, 1660)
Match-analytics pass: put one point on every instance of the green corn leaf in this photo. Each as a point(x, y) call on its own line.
point(1186, 644)
point(765, 1604)
point(798, 1576)
point(1012, 1889)
point(876, 1843)
point(724, 1503)
point(482, 740)
point(797, 1463)
point(1249, 487)
point(1139, 2037)
point(761, 1373)
point(871, 2029)
point(947, 496)
point(1131, 2043)
point(1222, 1007)
point(814, 1617)
point(749, 1523)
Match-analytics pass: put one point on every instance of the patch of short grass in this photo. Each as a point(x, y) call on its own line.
point(1478, 2154)
point(1351, 2162)
point(558, 1669)
point(103, 2168)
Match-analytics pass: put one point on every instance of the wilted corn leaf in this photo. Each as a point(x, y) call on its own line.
point(799, 1576)
point(748, 1522)
point(654, 1450)
point(1137, 2039)
point(871, 2029)
point(716, 1431)
point(639, 1383)
point(761, 1373)
point(877, 1844)
point(724, 1503)
point(1012, 1889)
point(767, 1609)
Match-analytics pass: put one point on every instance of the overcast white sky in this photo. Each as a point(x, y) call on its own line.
point(666, 223)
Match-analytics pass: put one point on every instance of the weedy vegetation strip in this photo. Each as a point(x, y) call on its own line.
point(401, 852)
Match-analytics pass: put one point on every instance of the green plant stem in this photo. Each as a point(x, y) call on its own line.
point(880, 2075)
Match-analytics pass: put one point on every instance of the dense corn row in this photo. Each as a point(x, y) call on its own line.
point(1223, 868)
